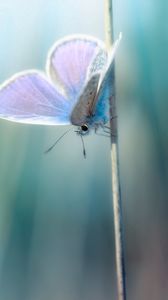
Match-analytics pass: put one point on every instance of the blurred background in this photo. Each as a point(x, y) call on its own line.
point(56, 223)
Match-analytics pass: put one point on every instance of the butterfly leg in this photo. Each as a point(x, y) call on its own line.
point(97, 126)
point(104, 128)
point(113, 117)
point(108, 127)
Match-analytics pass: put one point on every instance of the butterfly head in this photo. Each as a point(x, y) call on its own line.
point(83, 129)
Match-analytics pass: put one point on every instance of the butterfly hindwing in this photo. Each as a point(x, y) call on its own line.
point(105, 89)
point(30, 98)
point(99, 62)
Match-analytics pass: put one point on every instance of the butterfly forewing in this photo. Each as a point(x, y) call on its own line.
point(69, 61)
point(82, 111)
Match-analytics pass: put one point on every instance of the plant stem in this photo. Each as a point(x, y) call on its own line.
point(117, 207)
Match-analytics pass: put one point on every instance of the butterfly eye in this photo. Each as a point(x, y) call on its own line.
point(84, 127)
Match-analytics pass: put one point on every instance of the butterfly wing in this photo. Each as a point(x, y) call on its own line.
point(83, 108)
point(69, 63)
point(99, 63)
point(31, 98)
point(101, 105)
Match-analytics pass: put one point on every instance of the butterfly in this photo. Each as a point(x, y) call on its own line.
point(75, 88)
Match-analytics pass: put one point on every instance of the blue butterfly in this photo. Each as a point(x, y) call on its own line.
point(74, 90)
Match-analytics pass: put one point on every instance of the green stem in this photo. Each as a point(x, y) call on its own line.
point(117, 207)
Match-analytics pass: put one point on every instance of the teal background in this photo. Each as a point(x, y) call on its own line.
point(56, 225)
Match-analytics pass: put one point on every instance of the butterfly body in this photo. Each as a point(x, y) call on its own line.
point(75, 89)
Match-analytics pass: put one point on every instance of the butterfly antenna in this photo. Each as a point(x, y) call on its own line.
point(50, 148)
point(83, 146)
